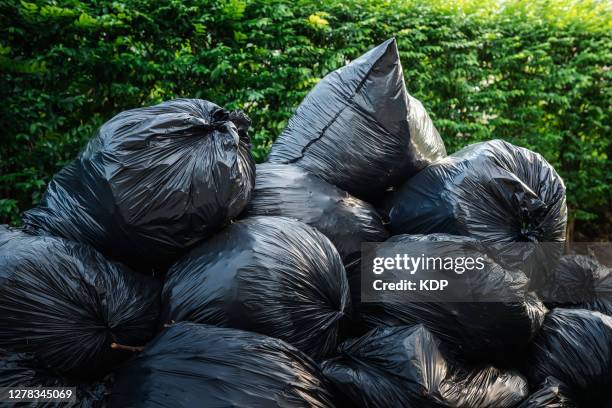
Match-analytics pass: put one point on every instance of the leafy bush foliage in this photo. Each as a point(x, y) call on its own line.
point(535, 73)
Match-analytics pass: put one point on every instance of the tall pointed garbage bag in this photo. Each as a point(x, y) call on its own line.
point(359, 129)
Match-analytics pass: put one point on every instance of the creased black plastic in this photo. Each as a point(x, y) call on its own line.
point(575, 347)
point(290, 191)
point(551, 394)
point(405, 367)
point(271, 275)
point(359, 129)
point(354, 326)
point(194, 366)
point(64, 302)
point(580, 281)
point(493, 191)
point(18, 370)
point(487, 331)
point(151, 183)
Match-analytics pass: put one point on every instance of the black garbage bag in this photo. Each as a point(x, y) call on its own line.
point(580, 281)
point(485, 329)
point(19, 370)
point(551, 394)
point(67, 304)
point(575, 347)
point(291, 191)
point(151, 183)
point(359, 129)
point(271, 275)
point(495, 192)
point(405, 367)
point(192, 365)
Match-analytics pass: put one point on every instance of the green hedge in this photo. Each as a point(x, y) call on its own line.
point(531, 73)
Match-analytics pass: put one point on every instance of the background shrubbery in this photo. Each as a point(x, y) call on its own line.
point(535, 73)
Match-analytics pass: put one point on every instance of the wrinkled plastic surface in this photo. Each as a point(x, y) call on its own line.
point(580, 281)
point(488, 331)
point(64, 302)
point(359, 129)
point(290, 191)
point(271, 275)
point(405, 367)
point(493, 191)
point(551, 394)
point(151, 183)
point(18, 370)
point(191, 366)
point(575, 347)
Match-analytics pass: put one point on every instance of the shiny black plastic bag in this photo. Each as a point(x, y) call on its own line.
point(271, 275)
point(359, 129)
point(405, 367)
point(575, 347)
point(580, 281)
point(64, 302)
point(290, 191)
point(489, 329)
point(551, 394)
point(19, 370)
point(493, 191)
point(151, 183)
point(192, 365)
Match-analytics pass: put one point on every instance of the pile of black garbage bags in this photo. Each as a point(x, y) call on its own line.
point(163, 268)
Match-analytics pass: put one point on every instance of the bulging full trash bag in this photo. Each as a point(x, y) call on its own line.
point(271, 275)
point(151, 183)
point(193, 365)
point(24, 370)
point(359, 129)
point(405, 367)
point(495, 322)
point(290, 191)
point(493, 191)
point(67, 304)
point(551, 394)
point(575, 347)
point(580, 281)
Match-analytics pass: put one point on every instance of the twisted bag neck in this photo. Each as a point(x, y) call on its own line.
point(532, 212)
point(231, 122)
